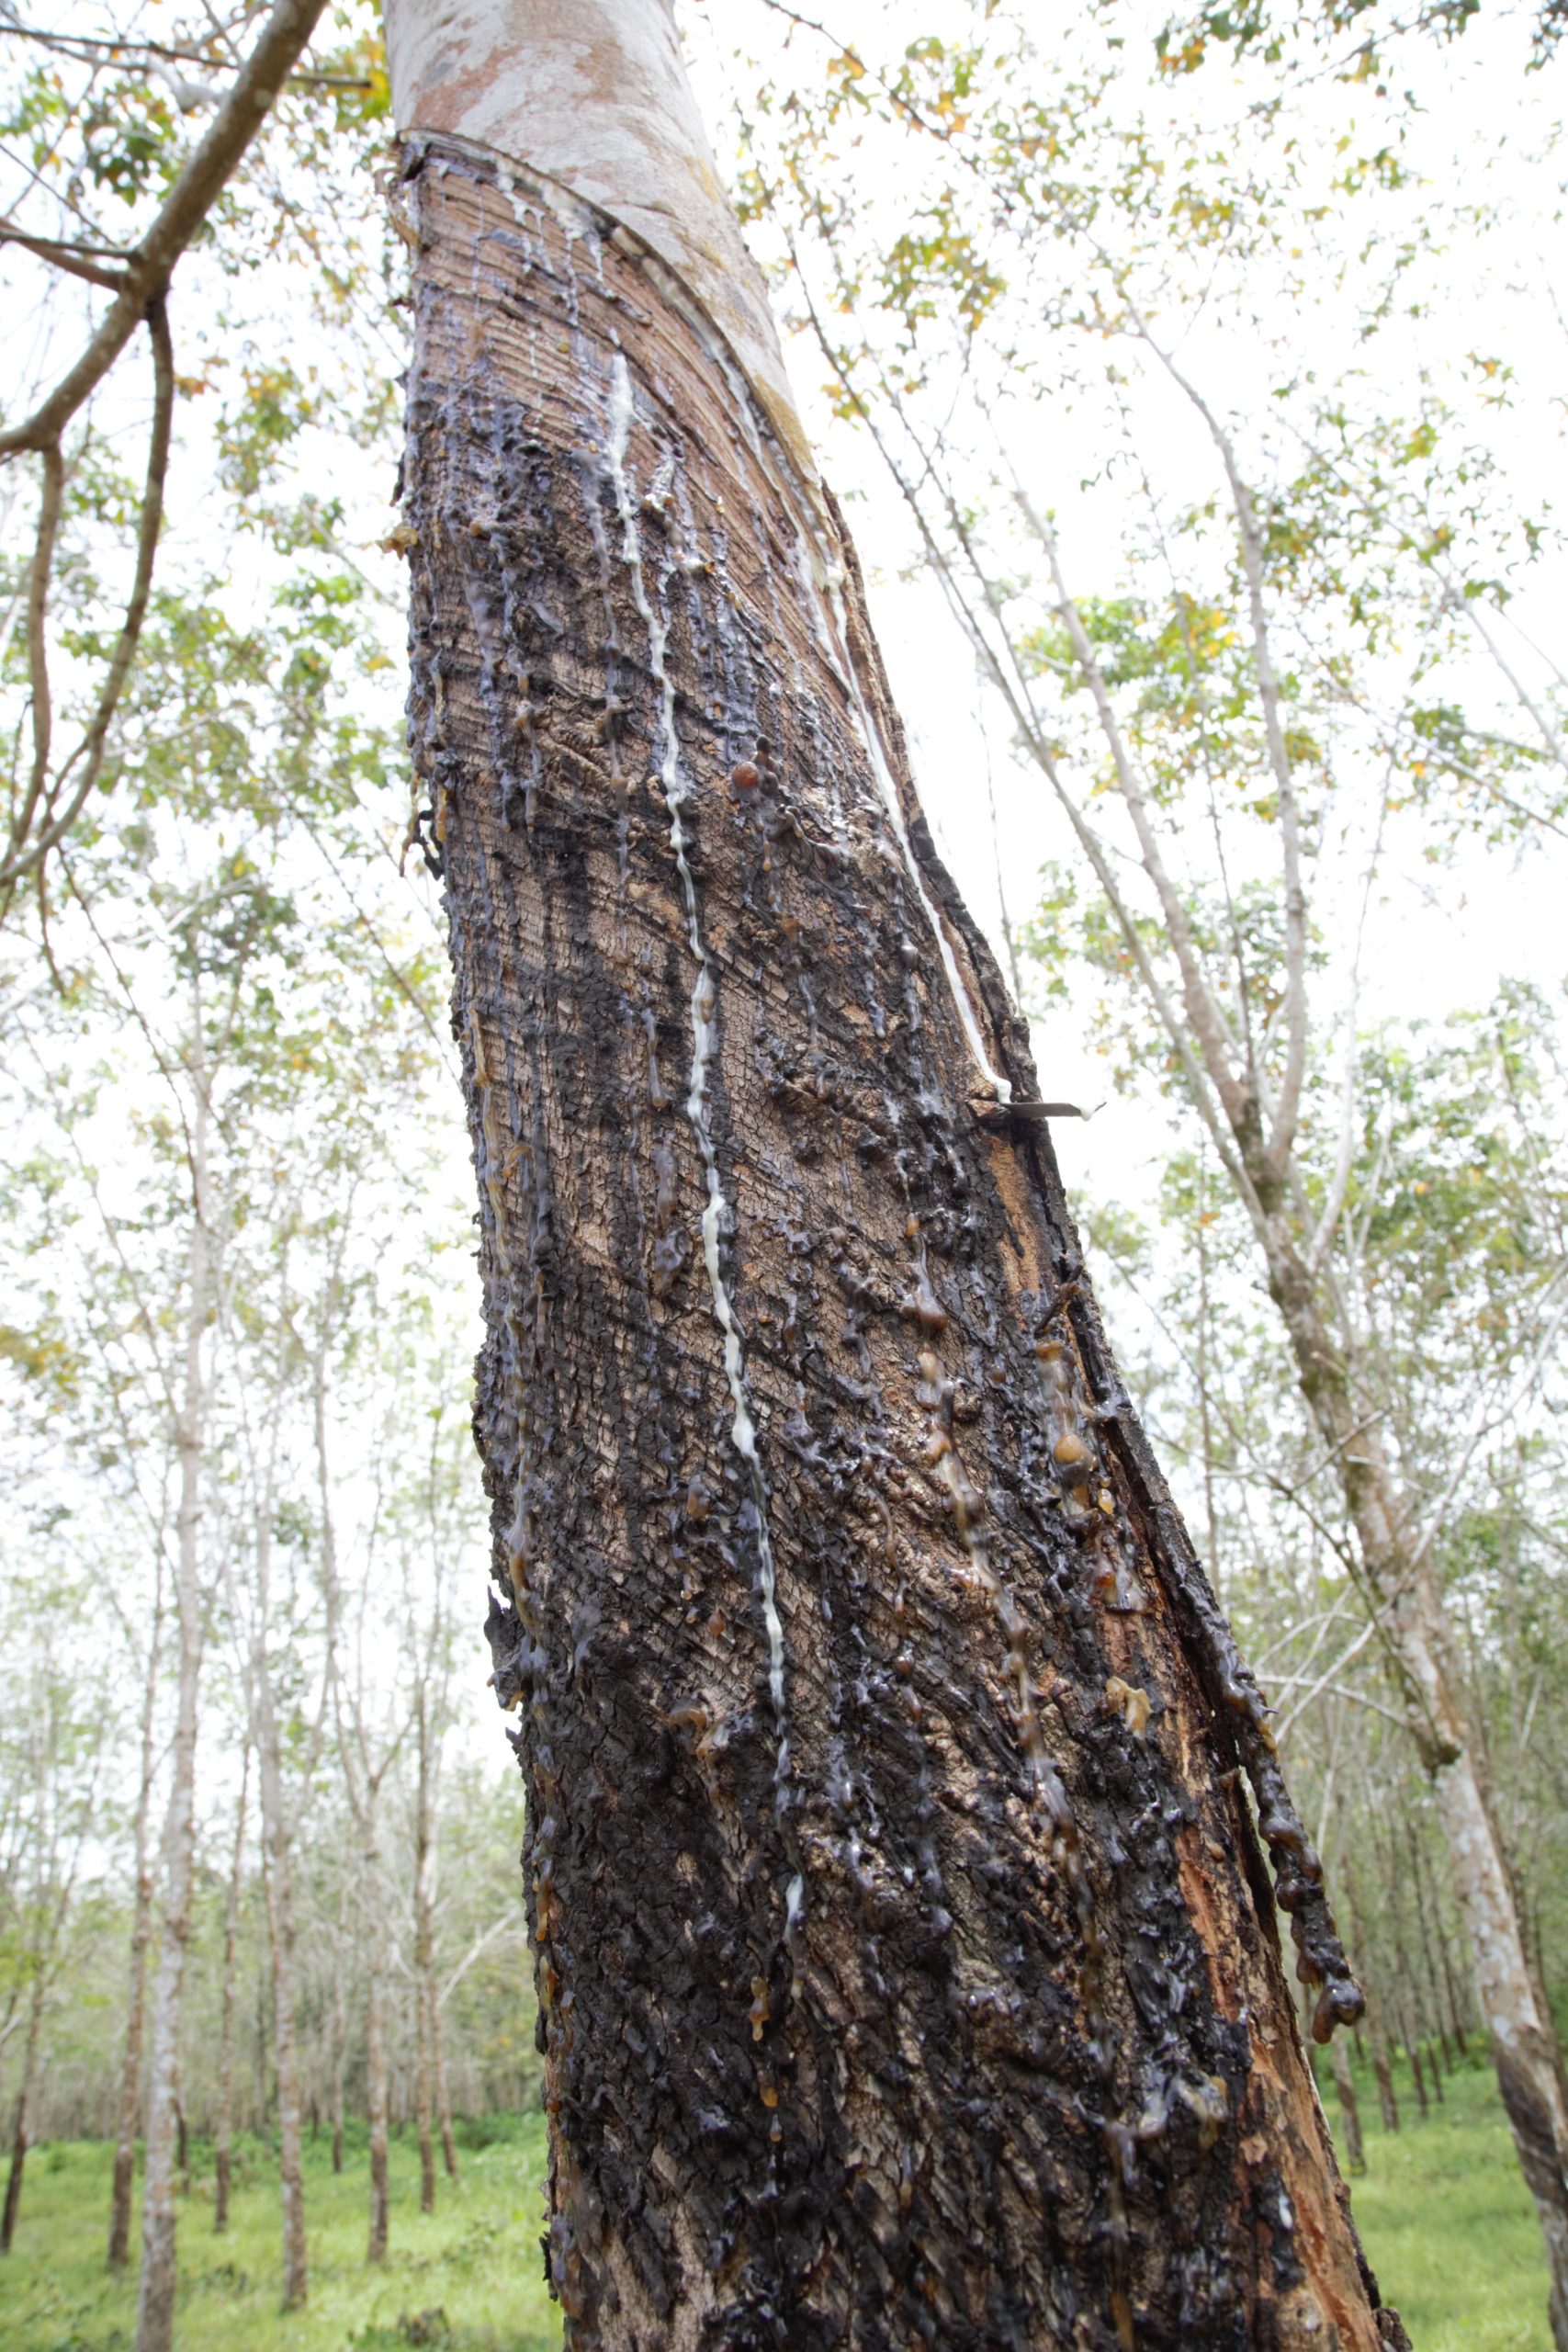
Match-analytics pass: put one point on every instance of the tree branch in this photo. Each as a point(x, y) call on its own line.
point(148, 271)
point(21, 856)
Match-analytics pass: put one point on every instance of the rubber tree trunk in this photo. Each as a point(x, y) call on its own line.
point(1412, 1612)
point(424, 2018)
point(135, 1986)
point(224, 2125)
point(443, 2088)
point(277, 1837)
point(374, 2033)
point(907, 1960)
point(37, 2002)
point(338, 2022)
point(155, 2294)
point(1349, 2111)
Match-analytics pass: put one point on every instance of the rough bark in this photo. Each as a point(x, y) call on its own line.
point(223, 2125)
point(135, 1986)
point(906, 1955)
point(907, 1961)
point(155, 2295)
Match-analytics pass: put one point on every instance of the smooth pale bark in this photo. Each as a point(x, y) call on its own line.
point(362, 1782)
point(906, 1964)
point(427, 2024)
point(1387, 2103)
point(375, 2038)
point(136, 1988)
point(224, 2126)
point(443, 2090)
point(1350, 2112)
point(277, 1841)
point(340, 2024)
point(1524, 2041)
point(155, 2297)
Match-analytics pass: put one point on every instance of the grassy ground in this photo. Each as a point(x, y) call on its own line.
point(1446, 2218)
point(1444, 2215)
point(468, 2278)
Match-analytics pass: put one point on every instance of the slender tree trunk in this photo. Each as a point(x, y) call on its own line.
point(156, 2300)
point(422, 2102)
point(906, 1963)
point(136, 1989)
point(1349, 2113)
point(1524, 2040)
point(1388, 2104)
point(279, 1878)
point(37, 2001)
point(1418, 2075)
point(443, 2093)
point(425, 1954)
point(340, 2024)
point(1382, 2073)
point(223, 2127)
point(375, 2039)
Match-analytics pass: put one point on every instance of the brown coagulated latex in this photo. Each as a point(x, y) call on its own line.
point(906, 1954)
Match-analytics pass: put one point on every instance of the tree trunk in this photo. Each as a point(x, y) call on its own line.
point(907, 1966)
point(1349, 2113)
point(37, 2000)
point(155, 2298)
point(136, 1989)
point(223, 2127)
point(423, 2099)
point(1410, 1606)
point(376, 2071)
point(443, 2093)
point(279, 1878)
point(340, 2024)
point(424, 2020)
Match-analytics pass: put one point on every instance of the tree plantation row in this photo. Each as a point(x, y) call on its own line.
point(1003, 1671)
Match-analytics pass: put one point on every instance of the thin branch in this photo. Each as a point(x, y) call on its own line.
point(52, 491)
point(71, 258)
point(22, 856)
point(235, 125)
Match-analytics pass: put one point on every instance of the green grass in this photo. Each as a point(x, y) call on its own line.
point(1443, 2213)
point(1446, 2218)
point(467, 2279)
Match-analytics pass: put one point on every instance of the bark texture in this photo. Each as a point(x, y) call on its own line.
point(906, 1957)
